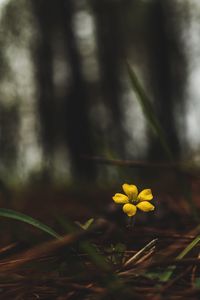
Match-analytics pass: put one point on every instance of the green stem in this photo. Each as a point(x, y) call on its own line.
point(131, 222)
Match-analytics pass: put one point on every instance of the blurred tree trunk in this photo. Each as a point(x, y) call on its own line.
point(108, 16)
point(43, 57)
point(55, 17)
point(9, 135)
point(76, 110)
point(167, 73)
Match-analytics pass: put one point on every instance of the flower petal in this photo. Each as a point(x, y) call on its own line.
point(145, 206)
point(120, 198)
point(129, 209)
point(130, 190)
point(145, 195)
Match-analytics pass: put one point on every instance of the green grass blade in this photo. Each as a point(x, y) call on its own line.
point(189, 247)
point(86, 225)
point(98, 258)
point(168, 273)
point(11, 214)
point(157, 129)
point(165, 276)
point(148, 111)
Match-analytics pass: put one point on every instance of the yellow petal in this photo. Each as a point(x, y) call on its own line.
point(145, 206)
point(130, 209)
point(145, 195)
point(130, 190)
point(120, 198)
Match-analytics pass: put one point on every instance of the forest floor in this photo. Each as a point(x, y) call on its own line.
point(156, 258)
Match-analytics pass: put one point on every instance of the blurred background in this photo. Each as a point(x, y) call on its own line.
point(65, 91)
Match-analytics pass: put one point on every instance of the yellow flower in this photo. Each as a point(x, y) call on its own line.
point(133, 200)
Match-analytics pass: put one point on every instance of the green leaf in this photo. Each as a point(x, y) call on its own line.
point(153, 275)
point(11, 214)
point(120, 248)
point(165, 276)
point(148, 111)
point(95, 255)
point(86, 225)
point(197, 283)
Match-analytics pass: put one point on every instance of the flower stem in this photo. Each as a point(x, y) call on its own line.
point(131, 222)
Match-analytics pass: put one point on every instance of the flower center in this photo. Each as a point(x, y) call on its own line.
point(133, 200)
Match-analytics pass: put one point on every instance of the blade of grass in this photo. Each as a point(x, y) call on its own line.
point(157, 129)
point(148, 111)
point(168, 273)
point(98, 258)
point(86, 246)
point(189, 247)
point(11, 214)
point(86, 225)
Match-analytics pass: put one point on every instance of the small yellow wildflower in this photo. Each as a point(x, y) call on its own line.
point(132, 200)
